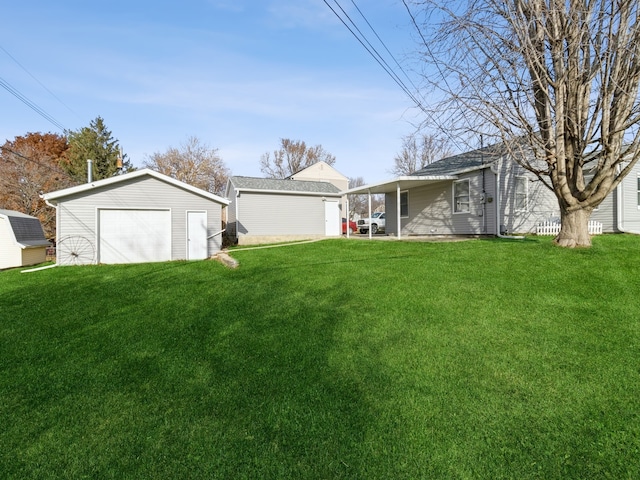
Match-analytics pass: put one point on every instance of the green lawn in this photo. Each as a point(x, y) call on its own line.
point(483, 359)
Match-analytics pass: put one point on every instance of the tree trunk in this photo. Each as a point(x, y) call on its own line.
point(574, 231)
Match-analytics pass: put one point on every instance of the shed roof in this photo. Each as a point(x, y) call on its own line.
point(283, 186)
point(55, 196)
point(27, 230)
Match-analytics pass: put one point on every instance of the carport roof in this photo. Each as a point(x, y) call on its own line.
point(446, 169)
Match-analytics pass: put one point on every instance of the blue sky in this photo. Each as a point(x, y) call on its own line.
point(238, 74)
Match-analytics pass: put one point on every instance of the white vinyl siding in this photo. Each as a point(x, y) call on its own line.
point(430, 210)
point(78, 213)
point(461, 196)
point(271, 214)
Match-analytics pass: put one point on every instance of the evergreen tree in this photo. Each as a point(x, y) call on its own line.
point(94, 142)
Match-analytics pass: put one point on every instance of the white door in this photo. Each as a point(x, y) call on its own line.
point(134, 236)
point(197, 235)
point(331, 219)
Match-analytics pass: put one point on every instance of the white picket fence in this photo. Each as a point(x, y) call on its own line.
point(553, 228)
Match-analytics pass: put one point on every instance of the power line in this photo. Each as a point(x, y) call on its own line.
point(378, 58)
point(39, 82)
point(13, 91)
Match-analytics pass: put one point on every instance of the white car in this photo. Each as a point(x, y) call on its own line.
point(377, 223)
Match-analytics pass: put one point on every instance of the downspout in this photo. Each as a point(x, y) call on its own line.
point(498, 233)
point(237, 221)
point(57, 225)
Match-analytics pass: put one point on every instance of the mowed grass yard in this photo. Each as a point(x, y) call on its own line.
point(483, 359)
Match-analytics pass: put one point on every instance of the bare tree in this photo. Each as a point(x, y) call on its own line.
point(291, 157)
point(194, 163)
point(359, 203)
point(561, 78)
point(418, 151)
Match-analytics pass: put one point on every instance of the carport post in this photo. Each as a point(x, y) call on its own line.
point(348, 217)
point(369, 191)
point(399, 222)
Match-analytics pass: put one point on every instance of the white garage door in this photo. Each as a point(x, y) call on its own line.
point(134, 236)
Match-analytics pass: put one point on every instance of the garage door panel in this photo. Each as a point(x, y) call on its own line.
point(134, 236)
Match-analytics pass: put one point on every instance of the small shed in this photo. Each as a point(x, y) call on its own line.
point(22, 240)
point(138, 217)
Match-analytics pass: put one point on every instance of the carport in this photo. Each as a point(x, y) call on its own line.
point(397, 185)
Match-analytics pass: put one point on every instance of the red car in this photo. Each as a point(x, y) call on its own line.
point(353, 228)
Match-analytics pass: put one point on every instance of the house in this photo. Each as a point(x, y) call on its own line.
point(266, 210)
point(322, 172)
point(485, 192)
point(22, 240)
point(142, 216)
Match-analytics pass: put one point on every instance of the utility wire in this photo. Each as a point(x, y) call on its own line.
point(13, 91)
point(375, 55)
point(39, 82)
point(384, 45)
point(29, 159)
point(385, 65)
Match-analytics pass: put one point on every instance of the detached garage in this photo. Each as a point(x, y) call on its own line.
point(142, 216)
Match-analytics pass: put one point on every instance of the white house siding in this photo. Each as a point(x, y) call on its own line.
point(630, 212)
point(10, 255)
point(270, 214)
point(607, 213)
point(431, 211)
point(542, 204)
point(77, 214)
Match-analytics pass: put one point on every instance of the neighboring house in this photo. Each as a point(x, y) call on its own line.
point(22, 240)
point(322, 172)
point(484, 192)
point(142, 216)
point(266, 210)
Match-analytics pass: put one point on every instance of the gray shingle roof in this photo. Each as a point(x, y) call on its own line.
point(27, 229)
point(460, 163)
point(253, 183)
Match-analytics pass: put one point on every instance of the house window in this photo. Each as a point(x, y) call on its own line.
point(404, 204)
point(461, 196)
point(639, 192)
point(521, 194)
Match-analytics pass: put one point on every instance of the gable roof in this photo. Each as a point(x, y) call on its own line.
point(283, 186)
point(54, 196)
point(27, 230)
point(321, 165)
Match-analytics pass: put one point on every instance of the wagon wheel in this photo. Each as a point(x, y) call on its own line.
point(75, 250)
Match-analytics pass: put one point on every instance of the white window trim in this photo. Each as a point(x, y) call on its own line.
point(453, 192)
point(407, 215)
point(637, 190)
point(526, 194)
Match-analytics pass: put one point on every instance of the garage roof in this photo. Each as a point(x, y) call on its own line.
point(54, 196)
point(283, 186)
